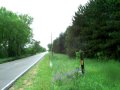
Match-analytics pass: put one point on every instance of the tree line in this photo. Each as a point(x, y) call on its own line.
point(95, 29)
point(16, 36)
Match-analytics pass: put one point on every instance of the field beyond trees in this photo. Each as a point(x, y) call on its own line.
point(98, 75)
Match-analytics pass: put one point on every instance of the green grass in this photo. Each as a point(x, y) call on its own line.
point(37, 78)
point(98, 75)
point(3, 60)
point(9, 59)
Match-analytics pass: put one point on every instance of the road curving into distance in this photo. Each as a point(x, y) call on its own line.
point(11, 71)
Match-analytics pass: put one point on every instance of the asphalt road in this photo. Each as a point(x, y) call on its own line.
point(11, 71)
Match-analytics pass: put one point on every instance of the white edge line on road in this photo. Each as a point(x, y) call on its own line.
point(10, 83)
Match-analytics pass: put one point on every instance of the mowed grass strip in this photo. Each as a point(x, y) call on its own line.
point(37, 78)
point(98, 75)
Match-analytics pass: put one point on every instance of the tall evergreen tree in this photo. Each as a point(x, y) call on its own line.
point(95, 29)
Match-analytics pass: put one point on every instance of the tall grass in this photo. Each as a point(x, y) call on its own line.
point(98, 75)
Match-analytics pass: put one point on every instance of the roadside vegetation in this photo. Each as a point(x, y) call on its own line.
point(98, 75)
point(9, 59)
point(16, 37)
point(37, 78)
point(95, 29)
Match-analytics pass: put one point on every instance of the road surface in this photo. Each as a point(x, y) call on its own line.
point(11, 71)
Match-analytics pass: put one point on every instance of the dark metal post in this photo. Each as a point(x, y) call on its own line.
point(82, 61)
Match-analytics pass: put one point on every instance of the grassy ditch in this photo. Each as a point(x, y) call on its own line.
point(98, 75)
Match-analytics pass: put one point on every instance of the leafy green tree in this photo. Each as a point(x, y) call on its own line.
point(15, 32)
point(49, 47)
point(59, 44)
point(34, 48)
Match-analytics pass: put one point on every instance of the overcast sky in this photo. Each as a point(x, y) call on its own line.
point(50, 16)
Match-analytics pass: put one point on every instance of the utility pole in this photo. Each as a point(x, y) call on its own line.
point(51, 46)
point(51, 55)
